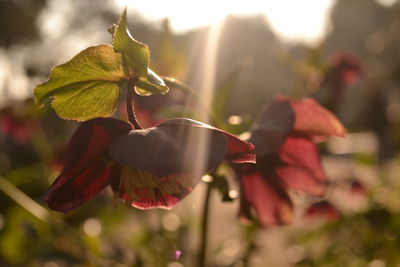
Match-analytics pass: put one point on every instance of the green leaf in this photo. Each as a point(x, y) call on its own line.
point(135, 54)
point(86, 101)
point(151, 84)
point(136, 59)
point(86, 86)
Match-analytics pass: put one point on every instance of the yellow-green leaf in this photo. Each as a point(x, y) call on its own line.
point(135, 54)
point(88, 84)
point(88, 100)
point(150, 84)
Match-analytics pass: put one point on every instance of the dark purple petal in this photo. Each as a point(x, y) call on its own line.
point(272, 127)
point(302, 166)
point(237, 150)
point(268, 197)
point(177, 146)
point(74, 191)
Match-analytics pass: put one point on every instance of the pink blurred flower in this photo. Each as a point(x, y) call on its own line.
point(287, 157)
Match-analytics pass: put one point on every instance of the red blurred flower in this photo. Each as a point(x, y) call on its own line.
point(284, 138)
point(345, 71)
point(322, 210)
point(18, 129)
point(358, 188)
point(150, 168)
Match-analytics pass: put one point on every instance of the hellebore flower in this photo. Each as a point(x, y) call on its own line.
point(284, 138)
point(150, 168)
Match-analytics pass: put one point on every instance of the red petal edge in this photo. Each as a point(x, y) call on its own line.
point(238, 151)
point(83, 187)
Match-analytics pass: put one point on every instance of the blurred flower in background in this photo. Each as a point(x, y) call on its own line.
point(286, 157)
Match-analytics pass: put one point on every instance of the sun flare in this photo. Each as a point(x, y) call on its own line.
point(290, 19)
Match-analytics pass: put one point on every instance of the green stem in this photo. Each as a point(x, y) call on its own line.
point(23, 200)
point(129, 104)
point(31, 206)
point(204, 227)
point(251, 245)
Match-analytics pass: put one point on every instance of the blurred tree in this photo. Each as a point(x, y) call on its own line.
point(18, 21)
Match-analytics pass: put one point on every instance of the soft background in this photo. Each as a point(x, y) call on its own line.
point(257, 57)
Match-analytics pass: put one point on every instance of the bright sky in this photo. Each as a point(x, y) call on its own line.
point(304, 20)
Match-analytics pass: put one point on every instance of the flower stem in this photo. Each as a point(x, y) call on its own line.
point(23, 200)
point(129, 104)
point(204, 227)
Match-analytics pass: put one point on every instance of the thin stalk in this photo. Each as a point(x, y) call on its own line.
point(38, 211)
point(204, 227)
point(251, 244)
point(23, 200)
point(129, 104)
point(249, 253)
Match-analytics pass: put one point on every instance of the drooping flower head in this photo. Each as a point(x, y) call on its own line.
point(287, 156)
point(149, 168)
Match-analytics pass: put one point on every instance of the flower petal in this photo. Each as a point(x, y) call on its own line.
point(268, 197)
point(237, 150)
point(178, 146)
point(74, 191)
point(90, 142)
point(302, 166)
point(272, 127)
point(144, 190)
point(85, 158)
point(314, 120)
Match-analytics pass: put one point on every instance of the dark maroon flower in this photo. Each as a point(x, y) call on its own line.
point(150, 168)
point(284, 138)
